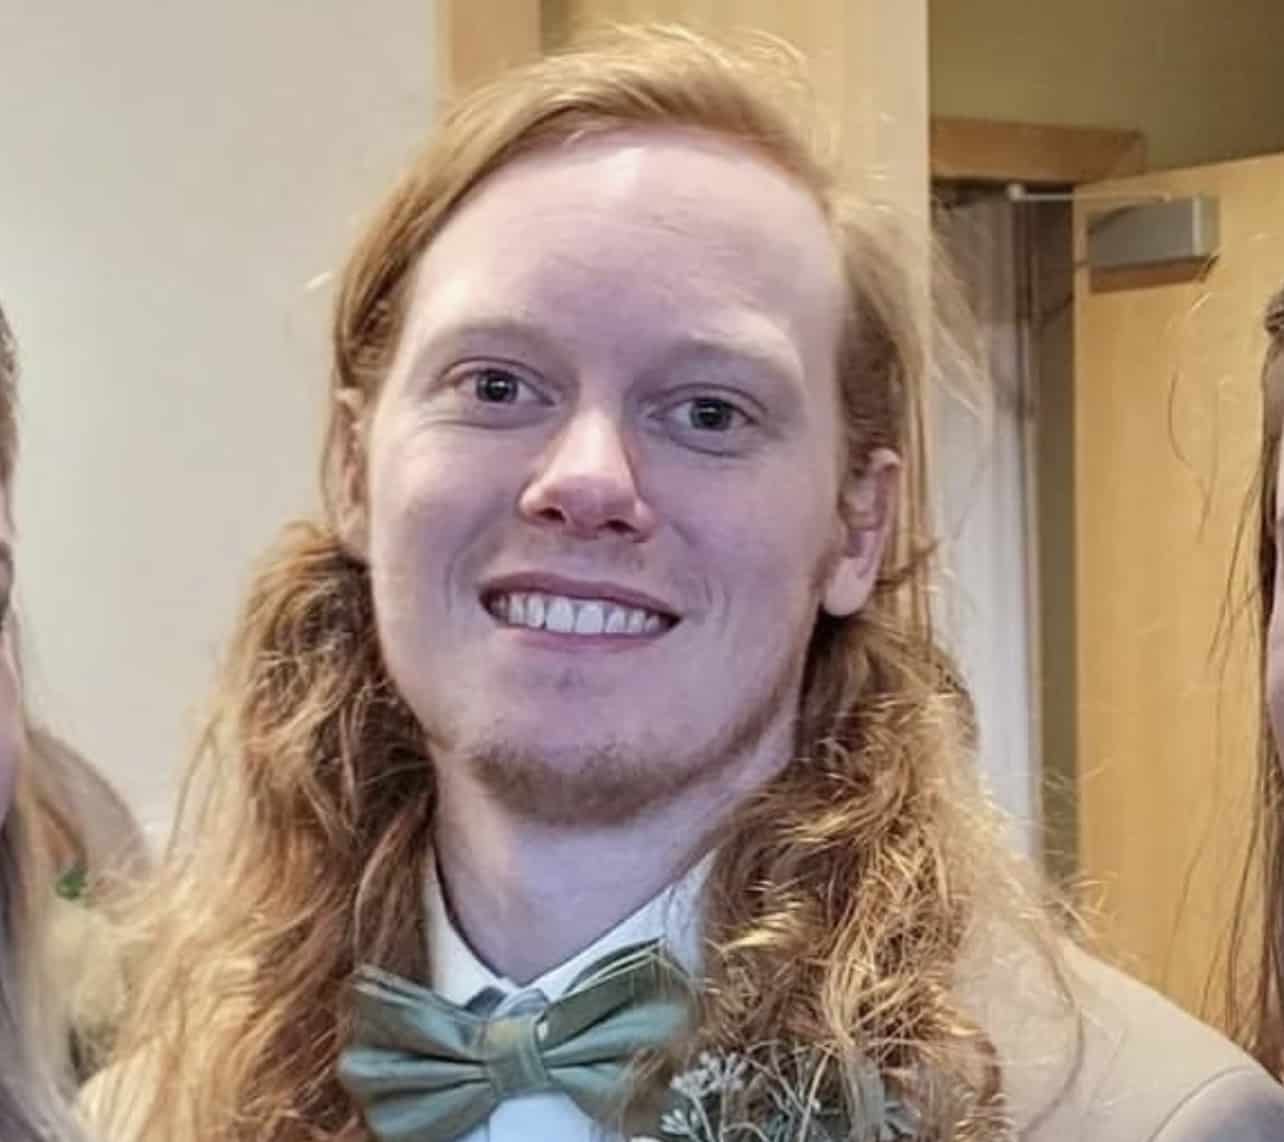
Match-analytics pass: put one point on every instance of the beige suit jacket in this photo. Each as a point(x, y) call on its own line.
point(1126, 1066)
point(1122, 1065)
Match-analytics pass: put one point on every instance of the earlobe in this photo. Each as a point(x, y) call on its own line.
point(868, 509)
point(351, 518)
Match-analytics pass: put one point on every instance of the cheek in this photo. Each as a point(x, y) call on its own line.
point(412, 486)
point(1275, 659)
point(770, 537)
point(432, 501)
point(1275, 676)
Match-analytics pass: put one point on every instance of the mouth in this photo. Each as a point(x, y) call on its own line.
point(585, 617)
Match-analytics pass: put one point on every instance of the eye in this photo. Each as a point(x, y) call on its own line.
point(706, 416)
point(497, 389)
point(710, 414)
point(709, 423)
point(493, 385)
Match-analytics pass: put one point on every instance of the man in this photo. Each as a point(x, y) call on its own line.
point(599, 736)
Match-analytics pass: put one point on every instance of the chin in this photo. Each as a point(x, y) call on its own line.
point(581, 782)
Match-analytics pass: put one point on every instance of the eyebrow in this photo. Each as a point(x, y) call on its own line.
point(771, 353)
point(453, 335)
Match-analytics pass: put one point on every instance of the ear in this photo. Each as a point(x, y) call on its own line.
point(867, 508)
point(352, 519)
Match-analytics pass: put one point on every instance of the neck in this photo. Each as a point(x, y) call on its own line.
point(528, 896)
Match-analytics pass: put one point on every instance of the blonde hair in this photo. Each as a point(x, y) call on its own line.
point(8, 402)
point(34, 1063)
point(861, 869)
point(35, 1066)
point(1257, 952)
point(97, 851)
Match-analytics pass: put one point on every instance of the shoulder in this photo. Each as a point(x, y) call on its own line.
point(1242, 1105)
point(1103, 1058)
point(1155, 1072)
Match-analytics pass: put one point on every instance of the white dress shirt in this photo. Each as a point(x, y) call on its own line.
point(459, 977)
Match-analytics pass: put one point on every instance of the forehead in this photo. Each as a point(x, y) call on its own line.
point(639, 224)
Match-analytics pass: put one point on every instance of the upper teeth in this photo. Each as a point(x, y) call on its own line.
point(564, 615)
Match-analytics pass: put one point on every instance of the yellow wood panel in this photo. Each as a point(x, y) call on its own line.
point(1166, 440)
point(478, 39)
point(867, 60)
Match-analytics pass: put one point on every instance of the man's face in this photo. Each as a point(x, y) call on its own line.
point(605, 476)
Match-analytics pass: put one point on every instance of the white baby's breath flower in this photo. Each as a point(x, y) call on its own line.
point(787, 1080)
point(680, 1123)
point(702, 1080)
point(690, 1085)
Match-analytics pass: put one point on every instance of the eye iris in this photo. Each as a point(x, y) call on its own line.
point(496, 387)
point(710, 414)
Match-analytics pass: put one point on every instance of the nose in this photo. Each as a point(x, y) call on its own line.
point(586, 485)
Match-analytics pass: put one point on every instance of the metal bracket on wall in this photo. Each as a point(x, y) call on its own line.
point(1019, 192)
point(1178, 231)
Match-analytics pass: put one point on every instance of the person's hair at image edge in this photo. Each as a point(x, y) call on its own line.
point(33, 1051)
point(1255, 988)
point(863, 866)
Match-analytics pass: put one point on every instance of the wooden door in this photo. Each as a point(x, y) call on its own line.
point(1166, 428)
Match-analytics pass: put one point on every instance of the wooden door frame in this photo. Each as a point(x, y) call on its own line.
point(1036, 154)
point(479, 38)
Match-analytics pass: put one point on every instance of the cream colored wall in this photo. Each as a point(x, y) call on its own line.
point(172, 178)
point(1203, 79)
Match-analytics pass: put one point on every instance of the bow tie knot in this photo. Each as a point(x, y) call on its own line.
point(510, 1047)
point(425, 1070)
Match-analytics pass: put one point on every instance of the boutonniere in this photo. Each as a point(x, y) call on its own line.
point(774, 1094)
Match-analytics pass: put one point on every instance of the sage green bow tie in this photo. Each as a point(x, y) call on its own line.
point(425, 1070)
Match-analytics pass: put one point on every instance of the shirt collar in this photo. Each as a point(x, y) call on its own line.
point(458, 975)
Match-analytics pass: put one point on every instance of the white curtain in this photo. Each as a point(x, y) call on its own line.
point(984, 497)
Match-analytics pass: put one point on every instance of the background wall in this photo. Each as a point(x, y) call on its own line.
point(1201, 78)
point(174, 178)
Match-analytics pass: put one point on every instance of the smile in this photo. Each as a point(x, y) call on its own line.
point(561, 614)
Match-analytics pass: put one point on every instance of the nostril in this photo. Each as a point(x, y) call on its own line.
point(586, 507)
point(551, 515)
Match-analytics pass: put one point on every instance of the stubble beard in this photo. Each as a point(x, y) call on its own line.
point(610, 784)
